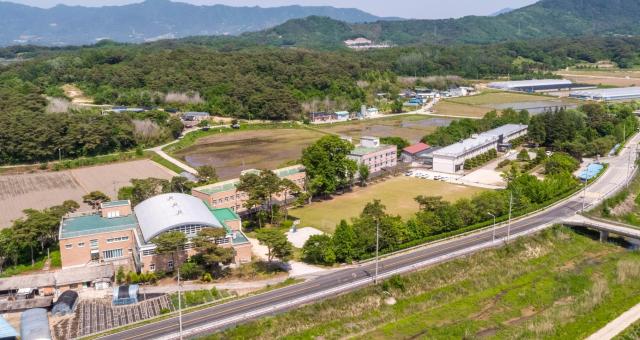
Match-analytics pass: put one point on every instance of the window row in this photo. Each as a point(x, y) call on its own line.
point(118, 239)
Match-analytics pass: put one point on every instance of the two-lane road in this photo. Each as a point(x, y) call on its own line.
point(331, 284)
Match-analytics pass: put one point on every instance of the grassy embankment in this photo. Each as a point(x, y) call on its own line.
point(558, 284)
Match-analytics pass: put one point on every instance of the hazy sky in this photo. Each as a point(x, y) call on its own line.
point(424, 9)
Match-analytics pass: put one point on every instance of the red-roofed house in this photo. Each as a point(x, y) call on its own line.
point(413, 152)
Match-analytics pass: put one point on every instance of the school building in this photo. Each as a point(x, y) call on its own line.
point(122, 236)
point(225, 195)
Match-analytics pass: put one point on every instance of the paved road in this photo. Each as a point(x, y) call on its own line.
point(224, 315)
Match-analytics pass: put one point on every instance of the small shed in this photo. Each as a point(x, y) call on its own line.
point(125, 295)
point(7, 332)
point(34, 325)
point(66, 303)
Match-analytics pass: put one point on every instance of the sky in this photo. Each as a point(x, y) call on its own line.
point(418, 9)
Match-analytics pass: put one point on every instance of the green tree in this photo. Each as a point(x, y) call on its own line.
point(431, 203)
point(170, 242)
point(344, 241)
point(363, 174)
point(190, 270)
point(95, 198)
point(318, 249)
point(560, 162)
point(327, 165)
point(288, 188)
point(210, 254)
point(180, 184)
point(207, 174)
point(400, 142)
point(523, 156)
point(277, 244)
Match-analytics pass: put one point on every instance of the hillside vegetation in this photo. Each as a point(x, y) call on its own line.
point(545, 19)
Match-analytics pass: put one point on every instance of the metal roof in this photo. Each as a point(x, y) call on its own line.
point(34, 324)
point(608, 94)
point(528, 83)
point(481, 140)
point(85, 224)
point(111, 204)
point(457, 149)
point(6, 330)
point(167, 211)
point(415, 148)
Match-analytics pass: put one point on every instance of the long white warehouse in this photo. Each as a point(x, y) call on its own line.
point(535, 85)
point(624, 93)
point(450, 159)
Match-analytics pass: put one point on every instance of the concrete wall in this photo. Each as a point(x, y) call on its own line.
point(123, 210)
point(447, 164)
point(76, 251)
point(378, 160)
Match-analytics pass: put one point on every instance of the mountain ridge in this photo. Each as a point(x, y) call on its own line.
point(544, 19)
point(149, 20)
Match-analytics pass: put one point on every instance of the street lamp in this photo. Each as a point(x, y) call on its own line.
point(494, 226)
point(510, 205)
point(179, 304)
point(375, 278)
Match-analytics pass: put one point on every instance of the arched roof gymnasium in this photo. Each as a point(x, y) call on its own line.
point(168, 211)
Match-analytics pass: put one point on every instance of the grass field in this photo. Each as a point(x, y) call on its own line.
point(555, 285)
point(397, 194)
point(478, 105)
point(231, 152)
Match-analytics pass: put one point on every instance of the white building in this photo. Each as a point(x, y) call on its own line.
point(620, 94)
point(450, 159)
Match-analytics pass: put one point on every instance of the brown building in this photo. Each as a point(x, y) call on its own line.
point(121, 236)
point(225, 195)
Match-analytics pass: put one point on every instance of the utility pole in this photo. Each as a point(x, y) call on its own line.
point(179, 305)
point(494, 226)
point(584, 193)
point(375, 279)
point(510, 205)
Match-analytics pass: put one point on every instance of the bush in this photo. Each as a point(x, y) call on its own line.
point(504, 163)
point(190, 270)
point(165, 311)
point(395, 282)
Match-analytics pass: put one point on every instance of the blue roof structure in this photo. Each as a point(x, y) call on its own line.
point(6, 330)
point(591, 171)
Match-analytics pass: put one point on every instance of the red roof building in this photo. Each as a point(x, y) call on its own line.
point(413, 152)
point(416, 148)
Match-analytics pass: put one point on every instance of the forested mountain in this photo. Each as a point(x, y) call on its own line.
point(545, 19)
point(149, 20)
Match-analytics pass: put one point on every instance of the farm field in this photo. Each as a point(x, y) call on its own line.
point(558, 284)
point(232, 152)
point(478, 105)
point(610, 77)
point(410, 127)
point(397, 194)
point(42, 190)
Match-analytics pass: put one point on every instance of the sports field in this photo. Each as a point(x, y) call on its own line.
point(397, 194)
point(232, 152)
